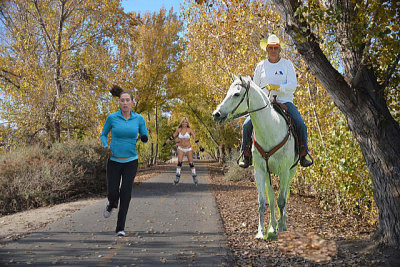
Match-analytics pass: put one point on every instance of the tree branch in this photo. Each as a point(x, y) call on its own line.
point(308, 47)
point(205, 126)
point(8, 80)
point(41, 22)
point(390, 70)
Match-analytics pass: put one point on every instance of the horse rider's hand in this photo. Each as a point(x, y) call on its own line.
point(201, 148)
point(274, 87)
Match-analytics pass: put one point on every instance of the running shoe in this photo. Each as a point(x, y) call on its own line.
point(121, 233)
point(107, 211)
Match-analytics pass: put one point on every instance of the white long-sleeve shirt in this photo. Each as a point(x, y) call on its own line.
point(281, 73)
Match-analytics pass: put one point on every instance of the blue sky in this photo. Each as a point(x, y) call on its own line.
point(150, 5)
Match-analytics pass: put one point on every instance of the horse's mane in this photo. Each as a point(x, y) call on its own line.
point(257, 88)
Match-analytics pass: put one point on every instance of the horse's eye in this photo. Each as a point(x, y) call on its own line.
point(236, 94)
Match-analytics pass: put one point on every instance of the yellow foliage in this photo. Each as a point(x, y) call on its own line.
point(225, 40)
point(51, 70)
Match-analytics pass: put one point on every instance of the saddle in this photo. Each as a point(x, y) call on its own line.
point(281, 109)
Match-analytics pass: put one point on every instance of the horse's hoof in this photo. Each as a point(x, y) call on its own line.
point(260, 236)
point(271, 236)
point(281, 229)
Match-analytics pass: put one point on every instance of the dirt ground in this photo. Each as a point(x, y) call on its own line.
point(314, 238)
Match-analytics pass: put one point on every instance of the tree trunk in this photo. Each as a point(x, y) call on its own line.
point(57, 49)
point(221, 150)
point(216, 154)
point(361, 100)
point(151, 142)
point(379, 137)
point(156, 128)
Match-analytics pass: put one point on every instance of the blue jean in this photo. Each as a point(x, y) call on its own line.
point(301, 127)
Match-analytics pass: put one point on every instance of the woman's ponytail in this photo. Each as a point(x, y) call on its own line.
point(116, 90)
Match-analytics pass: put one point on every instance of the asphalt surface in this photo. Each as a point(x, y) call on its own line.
point(167, 225)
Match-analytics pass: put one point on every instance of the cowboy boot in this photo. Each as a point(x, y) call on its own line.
point(247, 160)
point(303, 157)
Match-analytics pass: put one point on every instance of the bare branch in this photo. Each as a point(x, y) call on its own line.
point(390, 70)
point(205, 126)
point(41, 22)
point(8, 80)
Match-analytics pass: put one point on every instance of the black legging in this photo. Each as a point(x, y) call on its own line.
point(115, 171)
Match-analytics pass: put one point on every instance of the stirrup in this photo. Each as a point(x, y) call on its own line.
point(245, 163)
point(304, 162)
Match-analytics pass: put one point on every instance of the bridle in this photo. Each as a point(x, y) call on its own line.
point(246, 86)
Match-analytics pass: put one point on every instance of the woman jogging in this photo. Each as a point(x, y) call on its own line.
point(184, 133)
point(124, 125)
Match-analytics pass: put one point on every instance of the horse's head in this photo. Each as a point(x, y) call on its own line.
point(236, 100)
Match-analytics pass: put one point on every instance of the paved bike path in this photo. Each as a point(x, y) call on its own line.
point(167, 225)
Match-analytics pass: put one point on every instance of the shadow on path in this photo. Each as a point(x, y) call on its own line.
point(167, 225)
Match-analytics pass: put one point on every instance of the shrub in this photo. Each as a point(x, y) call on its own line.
point(32, 176)
point(339, 175)
point(236, 173)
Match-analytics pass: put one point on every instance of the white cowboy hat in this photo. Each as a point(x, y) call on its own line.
point(272, 40)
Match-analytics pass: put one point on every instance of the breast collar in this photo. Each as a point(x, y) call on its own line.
point(185, 136)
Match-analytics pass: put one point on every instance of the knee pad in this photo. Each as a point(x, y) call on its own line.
point(191, 164)
point(179, 164)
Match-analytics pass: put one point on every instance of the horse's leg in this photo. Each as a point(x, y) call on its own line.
point(260, 182)
point(263, 179)
point(271, 233)
point(284, 185)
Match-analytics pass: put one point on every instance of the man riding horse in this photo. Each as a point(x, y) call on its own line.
point(277, 77)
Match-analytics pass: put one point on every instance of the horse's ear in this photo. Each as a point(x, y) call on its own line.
point(234, 77)
point(240, 77)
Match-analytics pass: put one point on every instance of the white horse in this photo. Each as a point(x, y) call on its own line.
point(245, 97)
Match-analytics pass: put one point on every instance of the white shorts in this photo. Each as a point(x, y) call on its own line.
point(185, 149)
